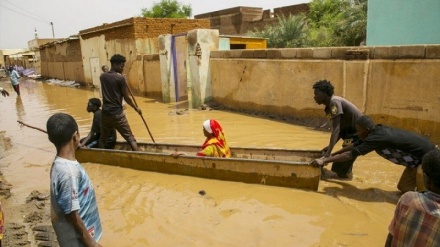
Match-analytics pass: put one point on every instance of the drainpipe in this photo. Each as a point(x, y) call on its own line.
point(174, 57)
point(189, 80)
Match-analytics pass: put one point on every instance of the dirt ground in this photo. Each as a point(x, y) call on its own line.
point(34, 228)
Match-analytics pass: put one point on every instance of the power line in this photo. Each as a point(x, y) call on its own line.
point(19, 7)
point(40, 19)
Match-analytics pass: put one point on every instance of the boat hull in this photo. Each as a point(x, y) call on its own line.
point(277, 167)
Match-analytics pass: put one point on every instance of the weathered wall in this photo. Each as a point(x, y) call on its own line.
point(291, 10)
point(130, 38)
point(37, 62)
point(68, 71)
point(5, 54)
point(173, 67)
point(241, 20)
point(184, 65)
point(62, 60)
point(395, 85)
point(145, 76)
point(152, 76)
point(201, 43)
point(93, 48)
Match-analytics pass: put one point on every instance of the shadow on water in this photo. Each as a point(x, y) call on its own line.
point(355, 193)
point(20, 108)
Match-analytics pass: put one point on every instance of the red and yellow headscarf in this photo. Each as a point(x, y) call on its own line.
point(217, 145)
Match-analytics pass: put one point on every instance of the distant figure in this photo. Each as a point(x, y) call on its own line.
point(343, 114)
point(104, 68)
point(92, 139)
point(74, 211)
point(396, 145)
point(114, 88)
point(4, 92)
point(14, 76)
point(215, 144)
point(416, 220)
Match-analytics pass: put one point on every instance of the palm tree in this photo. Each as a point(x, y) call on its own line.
point(288, 32)
point(353, 25)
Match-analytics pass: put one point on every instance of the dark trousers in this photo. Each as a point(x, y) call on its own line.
point(16, 88)
point(344, 169)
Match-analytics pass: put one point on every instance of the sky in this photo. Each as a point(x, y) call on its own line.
point(20, 18)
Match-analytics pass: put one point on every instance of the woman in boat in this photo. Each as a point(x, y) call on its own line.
point(215, 144)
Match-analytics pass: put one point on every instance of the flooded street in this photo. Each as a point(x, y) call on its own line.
point(152, 209)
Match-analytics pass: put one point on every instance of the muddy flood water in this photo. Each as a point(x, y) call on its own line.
point(152, 209)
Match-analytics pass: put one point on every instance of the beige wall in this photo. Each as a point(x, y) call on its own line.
point(395, 85)
point(62, 61)
point(99, 47)
point(6, 52)
point(132, 38)
point(145, 76)
point(69, 71)
point(91, 48)
point(152, 80)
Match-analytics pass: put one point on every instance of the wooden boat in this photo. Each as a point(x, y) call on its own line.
point(268, 166)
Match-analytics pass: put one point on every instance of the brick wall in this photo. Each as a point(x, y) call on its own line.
point(139, 27)
point(62, 60)
point(291, 10)
point(241, 20)
point(66, 51)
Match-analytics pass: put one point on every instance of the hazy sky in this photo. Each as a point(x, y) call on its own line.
point(19, 18)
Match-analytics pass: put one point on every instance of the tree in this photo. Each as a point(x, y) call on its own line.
point(288, 32)
point(168, 9)
point(337, 22)
point(354, 23)
point(328, 23)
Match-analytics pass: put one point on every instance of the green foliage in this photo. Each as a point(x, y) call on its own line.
point(288, 32)
point(337, 22)
point(354, 23)
point(168, 9)
point(328, 23)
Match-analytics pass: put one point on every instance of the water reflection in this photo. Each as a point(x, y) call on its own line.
point(19, 108)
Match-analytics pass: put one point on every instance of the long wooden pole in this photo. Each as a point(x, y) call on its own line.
point(32, 127)
point(135, 103)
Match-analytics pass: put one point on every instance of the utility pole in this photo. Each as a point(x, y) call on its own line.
point(53, 32)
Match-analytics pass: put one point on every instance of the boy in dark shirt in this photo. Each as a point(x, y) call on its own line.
point(92, 139)
point(343, 114)
point(396, 145)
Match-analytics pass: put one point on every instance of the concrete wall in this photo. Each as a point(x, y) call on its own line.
point(152, 76)
point(62, 61)
point(201, 43)
point(146, 81)
point(93, 48)
point(394, 85)
point(173, 62)
point(184, 65)
point(130, 38)
point(5, 53)
point(403, 22)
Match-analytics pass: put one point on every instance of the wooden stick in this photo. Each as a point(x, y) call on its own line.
point(32, 127)
point(146, 125)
